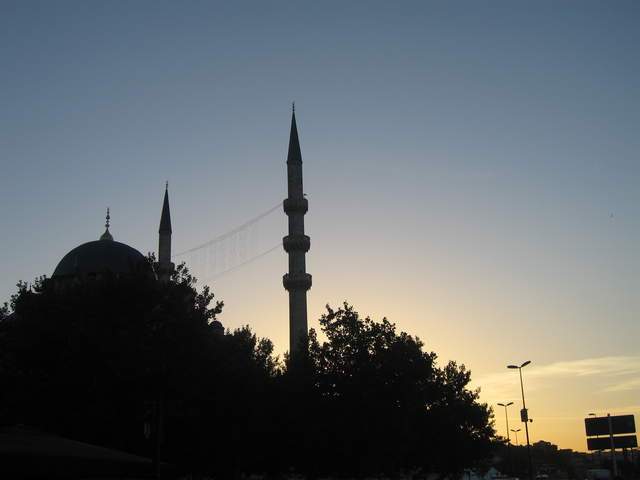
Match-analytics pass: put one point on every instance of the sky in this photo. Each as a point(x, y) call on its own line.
point(471, 168)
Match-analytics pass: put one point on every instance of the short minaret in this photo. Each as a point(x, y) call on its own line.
point(165, 267)
point(296, 244)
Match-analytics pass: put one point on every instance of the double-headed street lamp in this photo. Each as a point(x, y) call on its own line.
point(516, 432)
point(506, 417)
point(524, 416)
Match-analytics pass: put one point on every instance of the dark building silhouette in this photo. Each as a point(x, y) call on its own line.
point(95, 258)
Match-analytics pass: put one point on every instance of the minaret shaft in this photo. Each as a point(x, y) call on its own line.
point(298, 329)
point(164, 248)
point(296, 244)
point(294, 175)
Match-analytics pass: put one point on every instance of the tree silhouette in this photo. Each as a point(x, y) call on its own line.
point(96, 360)
point(109, 359)
point(385, 406)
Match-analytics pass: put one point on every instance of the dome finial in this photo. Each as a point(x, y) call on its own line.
point(106, 235)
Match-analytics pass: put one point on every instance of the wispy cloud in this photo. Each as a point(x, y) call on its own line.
point(623, 386)
point(622, 365)
point(537, 376)
point(619, 410)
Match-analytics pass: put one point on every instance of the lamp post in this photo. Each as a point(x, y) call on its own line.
point(516, 432)
point(524, 414)
point(599, 452)
point(593, 415)
point(506, 418)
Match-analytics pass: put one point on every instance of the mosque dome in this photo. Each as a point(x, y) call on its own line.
point(102, 256)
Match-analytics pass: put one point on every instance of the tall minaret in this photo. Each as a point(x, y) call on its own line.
point(165, 267)
point(296, 244)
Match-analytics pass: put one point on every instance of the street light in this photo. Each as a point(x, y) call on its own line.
point(516, 432)
point(506, 417)
point(524, 415)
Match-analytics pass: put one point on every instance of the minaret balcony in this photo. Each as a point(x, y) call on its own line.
point(296, 281)
point(295, 205)
point(296, 243)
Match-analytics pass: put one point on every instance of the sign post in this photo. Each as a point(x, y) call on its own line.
point(611, 426)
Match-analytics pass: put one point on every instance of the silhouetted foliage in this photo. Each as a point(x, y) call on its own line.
point(382, 405)
point(89, 360)
point(96, 360)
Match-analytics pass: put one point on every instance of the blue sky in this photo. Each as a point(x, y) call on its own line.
point(471, 168)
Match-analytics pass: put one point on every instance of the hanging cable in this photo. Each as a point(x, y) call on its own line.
point(230, 233)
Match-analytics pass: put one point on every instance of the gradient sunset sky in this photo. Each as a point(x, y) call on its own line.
point(471, 167)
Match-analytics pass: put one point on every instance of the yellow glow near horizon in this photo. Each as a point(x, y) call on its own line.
point(559, 393)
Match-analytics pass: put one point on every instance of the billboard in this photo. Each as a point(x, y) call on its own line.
point(600, 425)
point(604, 443)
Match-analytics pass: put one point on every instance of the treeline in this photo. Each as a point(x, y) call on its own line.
point(117, 361)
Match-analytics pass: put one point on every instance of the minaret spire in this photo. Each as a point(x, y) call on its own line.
point(165, 217)
point(296, 244)
point(165, 267)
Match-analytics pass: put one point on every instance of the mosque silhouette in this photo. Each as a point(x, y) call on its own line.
point(96, 258)
point(107, 258)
